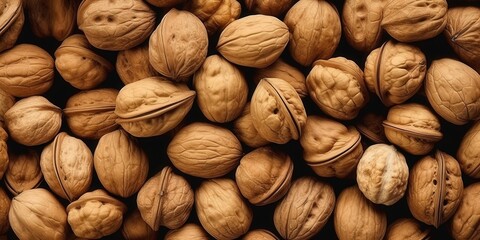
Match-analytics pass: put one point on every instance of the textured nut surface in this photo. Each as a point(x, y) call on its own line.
point(315, 30)
point(269, 7)
point(215, 15)
point(187, 231)
point(305, 209)
point(11, 23)
point(452, 88)
point(253, 41)
point(221, 209)
point(245, 131)
point(382, 174)
point(407, 229)
point(221, 89)
point(23, 171)
point(51, 18)
point(7, 101)
point(133, 64)
point(4, 208)
point(468, 152)
point(204, 150)
point(134, 228)
point(26, 70)
point(259, 234)
point(465, 222)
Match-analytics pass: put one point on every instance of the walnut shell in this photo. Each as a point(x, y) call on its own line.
point(7, 101)
point(336, 86)
point(277, 111)
point(246, 42)
point(187, 231)
point(413, 128)
point(23, 171)
point(134, 228)
point(95, 214)
point(115, 25)
point(245, 131)
point(369, 124)
point(133, 64)
point(152, 106)
point(67, 166)
point(260, 234)
point(468, 152)
point(51, 18)
point(36, 214)
point(407, 229)
point(120, 163)
point(215, 15)
point(221, 209)
point(395, 72)
point(264, 175)
point(221, 89)
point(179, 45)
point(24, 118)
point(465, 223)
point(315, 30)
point(355, 217)
point(330, 148)
point(446, 91)
point(382, 174)
point(204, 150)
point(166, 199)
point(414, 20)
point(269, 7)
point(26, 70)
point(79, 65)
point(12, 19)
point(90, 114)
point(4, 208)
point(434, 188)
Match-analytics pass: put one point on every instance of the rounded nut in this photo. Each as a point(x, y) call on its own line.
point(434, 188)
point(382, 174)
point(187, 231)
point(305, 209)
point(204, 150)
point(221, 209)
point(23, 171)
point(134, 228)
point(264, 175)
point(12, 19)
point(133, 64)
point(215, 15)
point(4, 208)
point(260, 234)
point(269, 7)
point(468, 152)
point(407, 229)
point(464, 223)
point(245, 131)
point(51, 18)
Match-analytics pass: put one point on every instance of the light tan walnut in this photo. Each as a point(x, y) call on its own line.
point(216, 14)
point(468, 152)
point(407, 229)
point(465, 223)
point(23, 171)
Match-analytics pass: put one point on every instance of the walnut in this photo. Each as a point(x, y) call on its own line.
point(134, 228)
point(133, 64)
point(187, 231)
point(23, 171)
point(407, 229)
point(4, 208)
point(269, 7)
point(12, 19)
point(468, 152)
point(464, 224)
point(260, 234)
point(216, 14)
point(245, 131)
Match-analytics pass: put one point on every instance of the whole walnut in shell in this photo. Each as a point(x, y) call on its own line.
point(465, 223)
point(166, 199)
point(12, 19)
point(435, 188)
point(23, 171)
point(7, 101)
point(221, 89)
point(315, 30)
point(204, 150)
point(179, 45)
point(259, 234)
point(215, 15)
point(446, 90)
point(468, 152)
point(115, 25)
point(221, 209)
point(4, 208)
point(187, 231)
point(26, 70)
point(246, 42)
point(33, 121)
point(37, 215)
point(245, 131)
point(305, 209)
point(133, 64)
point(407, 229)
point(95, 215)
point(134, 228)
point(269, 7)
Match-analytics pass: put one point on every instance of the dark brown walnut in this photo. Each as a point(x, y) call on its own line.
point(165, 3)
point(337, 87)
point(4, 158)
point(95, 215)
point(204, 150)
point(407, 229)
point(12, 19)
point(90, 114)
point(178, 46)
point(264, 175)
point(152, 106)
point(245, 131)
point(269, 7)
point(166, 199)
point(23, 172)
point(412, 127)
point(133, 64)
point(447, 91)
point(369, 124)
point(305, 209)
point(315, 30)
point(259, 234)
point(277, 111)
point(26, 70)
point(435, 188)
point(414, 20)
point(461, 31)
point(330, 148)
point(468, 152)
point(79, 64)
point(134, 228)
point(355, 217)
point(120, 163)
point(395, 72)
point(465, 223)
point(7, 101)
point(215, 15)
point(187, 231)
point(33, 121)
point(115, 25)
point(221, 209)
point(4, 208)
point(67, 166)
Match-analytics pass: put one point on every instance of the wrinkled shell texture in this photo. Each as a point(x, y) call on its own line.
point(12, 19)
point(115, 25)
point(23, 172)
point(260, 234)
point(453, 90)
point(382, 174)
point(305, 209)
point(133, 64)
point(4, 208)
point(284, 71)
point(253, 41)
point(204, 150)
point(187, 231)
point(407, 229)
point(465, 223)
point(221, 89)
point(244, 129)
point(221, 209)
point(178, 47)
point(26, 70)
point(315, 30)
point(134, 228)
point(468, 152)
point(51, 18)
point(216, 14)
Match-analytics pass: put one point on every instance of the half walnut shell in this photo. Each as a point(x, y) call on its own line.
point(12, 19)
